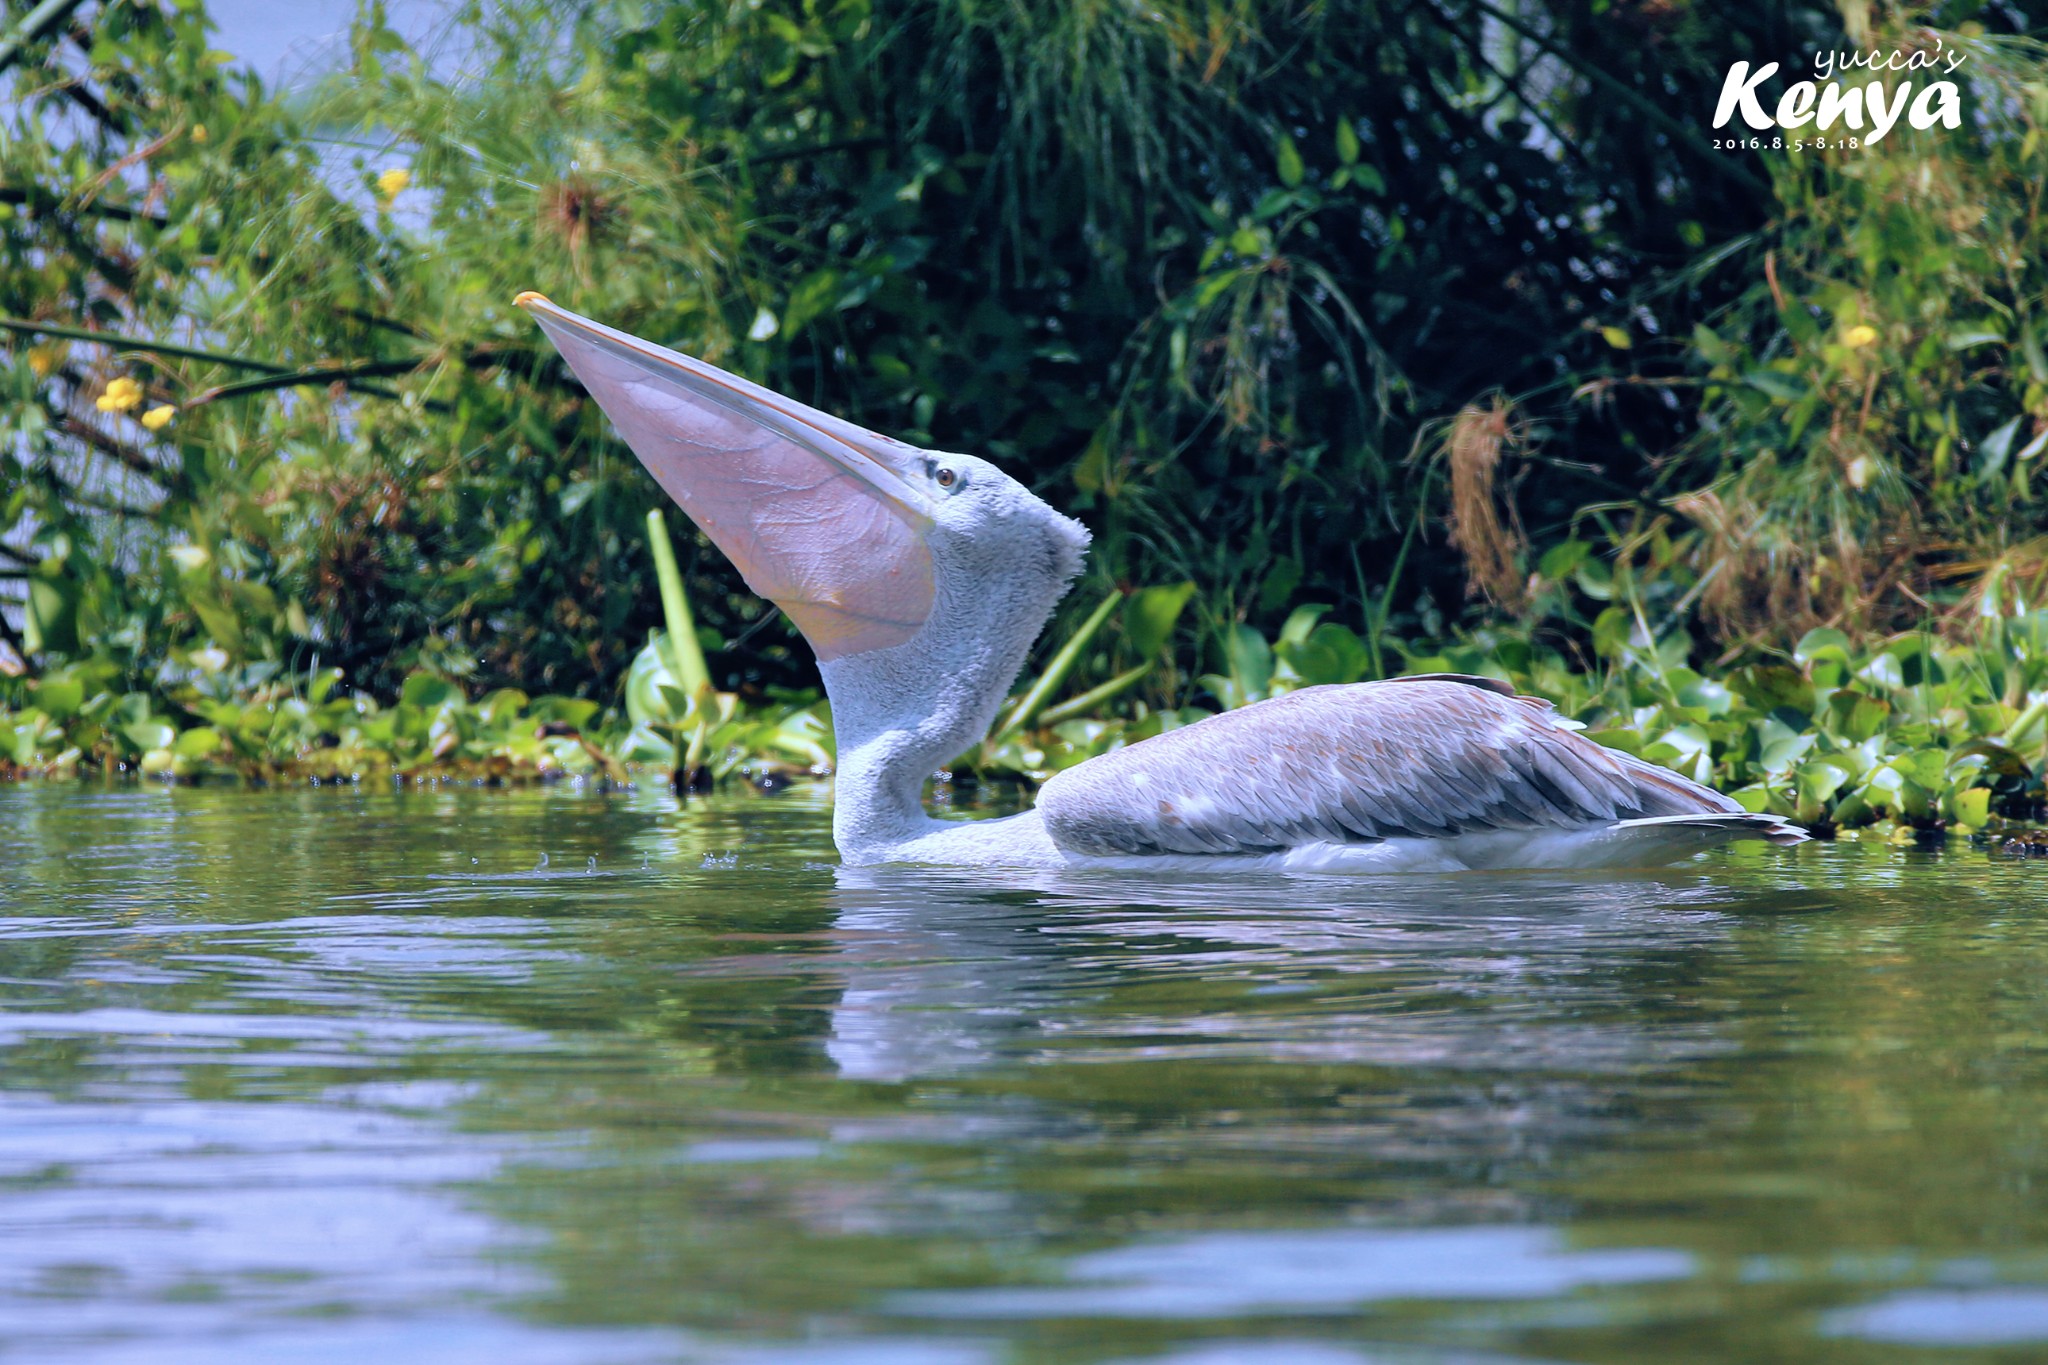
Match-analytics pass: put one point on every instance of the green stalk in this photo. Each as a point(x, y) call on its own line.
point(1095, 696)
point(685, 655)
point(2028, 719)
point(1377, 626)
point(1056, 672)
point(38, 22)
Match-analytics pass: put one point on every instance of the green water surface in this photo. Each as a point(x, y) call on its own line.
point(336, 1075)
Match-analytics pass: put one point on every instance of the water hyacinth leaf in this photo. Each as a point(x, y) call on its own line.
point(52, 617)
point(1883, 671)
point(198, 742)
point(1684, 749)
point(1754, 798)
point(428, 693)
point(653, 693)
point(1824, 643)
point(1332, 653)
point(1771, 688)
point(645, 744)
point(59, 697)
point(573, 712)
point(149, 732)
point(1777, 756)
point(1152, 614)
point(1971, 807)
point(1251, 661)
point(1299, 623)
point(1856, 716)
point(1997, 760)
point(1714, 698)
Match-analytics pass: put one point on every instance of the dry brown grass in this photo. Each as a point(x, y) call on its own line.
point(1491, 541)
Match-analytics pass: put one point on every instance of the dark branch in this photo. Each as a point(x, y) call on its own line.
point(123, 453)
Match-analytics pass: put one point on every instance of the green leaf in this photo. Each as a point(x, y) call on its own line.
point(197, 742)
point(1347, 142)
point(1775, 384)
point(428, 692)
point(59, 697)
point(1251, 661)
point(1300, 622)
point(151, 732)
point(1289, 159)
point(1991, 452)
point(2030, 347)
point(1332, 653)
point(1150, 617)
point(1057, 669)
point(1825, 642)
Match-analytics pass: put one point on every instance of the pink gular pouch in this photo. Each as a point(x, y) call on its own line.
point(820, 516)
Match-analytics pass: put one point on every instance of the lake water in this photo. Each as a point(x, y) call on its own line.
point(335, 1075)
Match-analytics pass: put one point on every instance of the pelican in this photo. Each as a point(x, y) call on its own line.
point(921, 579)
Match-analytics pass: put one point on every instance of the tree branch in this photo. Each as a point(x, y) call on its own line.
point(120, 451)
point(120, 342)
point(77, 92)
point(318, 374)
point(44, 201)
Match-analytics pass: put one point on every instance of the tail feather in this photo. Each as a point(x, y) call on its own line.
point(1705, 831)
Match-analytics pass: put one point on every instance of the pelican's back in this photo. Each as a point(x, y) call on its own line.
point(1433, 758)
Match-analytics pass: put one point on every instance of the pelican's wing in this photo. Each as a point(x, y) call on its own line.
point(1413, 757)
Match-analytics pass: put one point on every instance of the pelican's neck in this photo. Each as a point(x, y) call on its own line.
point(902, 713)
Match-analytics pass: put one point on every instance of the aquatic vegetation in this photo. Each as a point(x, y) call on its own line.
point(295, 492)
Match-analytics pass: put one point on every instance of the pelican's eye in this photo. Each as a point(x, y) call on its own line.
point(946, 478)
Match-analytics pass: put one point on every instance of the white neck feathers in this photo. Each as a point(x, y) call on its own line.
point(902, 713)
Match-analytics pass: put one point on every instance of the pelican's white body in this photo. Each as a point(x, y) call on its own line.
point(922, 580)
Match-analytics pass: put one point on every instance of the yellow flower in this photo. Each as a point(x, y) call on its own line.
point(159, 417)
point(43, 359)
point(1861, 335)
point(199, 132)
point(121, 395)
point(392, 181)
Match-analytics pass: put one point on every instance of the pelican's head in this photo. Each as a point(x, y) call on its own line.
point(861, 539)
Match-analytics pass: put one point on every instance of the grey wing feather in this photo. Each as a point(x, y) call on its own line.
point(1428, 757)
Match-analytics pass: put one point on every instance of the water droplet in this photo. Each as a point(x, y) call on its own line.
point(542, 864)
point(591, 866)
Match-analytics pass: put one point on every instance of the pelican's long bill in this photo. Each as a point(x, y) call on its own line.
point(823, 518)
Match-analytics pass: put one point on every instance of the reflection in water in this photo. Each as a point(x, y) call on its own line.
point(942, 974)
point(1332, 1270)
point(340, 1076)
point(1968, 1317)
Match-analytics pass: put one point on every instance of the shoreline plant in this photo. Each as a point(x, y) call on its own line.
point(1738, 447)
